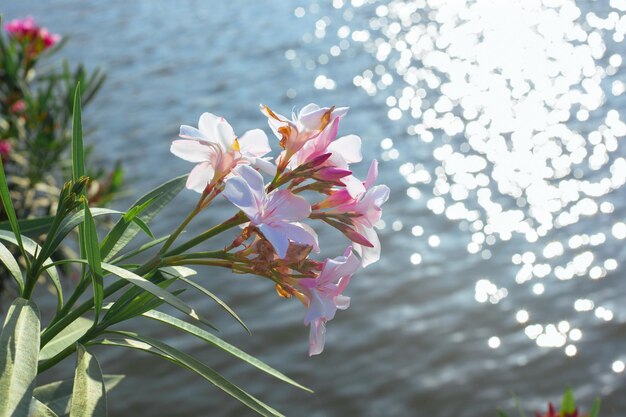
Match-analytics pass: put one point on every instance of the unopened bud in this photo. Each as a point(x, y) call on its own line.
point(331, 174)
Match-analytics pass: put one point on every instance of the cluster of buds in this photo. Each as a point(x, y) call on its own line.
point(34, 38)
point(276, 242)
point(552, 412)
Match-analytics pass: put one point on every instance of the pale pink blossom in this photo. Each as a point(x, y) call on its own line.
point(216, 150)
point(310, 122)
point(276, 215)
point(367, 208)
point(324, 295)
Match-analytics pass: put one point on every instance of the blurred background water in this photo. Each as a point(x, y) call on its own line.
point(499, 129)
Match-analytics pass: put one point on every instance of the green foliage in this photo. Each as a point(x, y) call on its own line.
point(26, 350)
point(568, 405)
point(89, 392)
point(19, 350)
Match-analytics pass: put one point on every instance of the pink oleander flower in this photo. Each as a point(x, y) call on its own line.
point(216, 150)
point(310, 122)
point(275, 215)
point(366, 209)
point(323, 296)
point(18, 106)
point(35, 38)
point(5, 149)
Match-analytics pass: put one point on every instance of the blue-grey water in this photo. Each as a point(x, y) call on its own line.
point(499, 129)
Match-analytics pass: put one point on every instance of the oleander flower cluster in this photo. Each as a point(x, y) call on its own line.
point(311, 179)
point(28, 32)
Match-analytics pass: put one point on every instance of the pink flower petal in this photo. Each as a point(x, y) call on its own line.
point(317, 336)
point(200, 176)
point(254, 143)
point(283, 205)
point(348, 148)
point(191, 150)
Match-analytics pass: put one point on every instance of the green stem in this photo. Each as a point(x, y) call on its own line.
point(179, 230)
point(236, 220)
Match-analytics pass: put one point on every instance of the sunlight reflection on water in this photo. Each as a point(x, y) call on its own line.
point(512, 97)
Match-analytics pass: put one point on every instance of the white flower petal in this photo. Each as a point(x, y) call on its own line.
point(200, 176)
point(254, 143)
point(191, 150)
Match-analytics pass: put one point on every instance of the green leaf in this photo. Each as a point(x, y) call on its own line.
point(19, 348)
point(155, 290)
point(595, 410)
point(133, 303)
point(139, 250)
point(67, 337)
point(89, 392)
point(182, 275)
point(57, 395)
point(39, 409)
point(12, 266)
point(32, 248)
point(95, 262)
point(78, 151)
point(7, 203)
point(69, 223)
point(221, 344)
point(31, 227)
point(187, 361)
point(158, 198)
point(568, 405)
point(502, 414)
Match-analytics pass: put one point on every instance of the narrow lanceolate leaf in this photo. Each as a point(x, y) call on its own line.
point(89, 393)
point(140, 249)
point(183, 277)
point(67, 337)
point(9, 210)
point(78, 151)
point(31, 227)
point(595, 410)
point(39, 409)
point(95, 262)
point(219, 343)
point(19, 349)
point(123, 232)
point(155, 290)
point(184, 360)
point(12, 266)
point(57, 395)
point(32, 248)
point(568, 405)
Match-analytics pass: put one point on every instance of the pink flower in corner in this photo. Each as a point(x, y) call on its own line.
point(276, 214)
point(324, 295)
point(216, 150)
point(28, 32)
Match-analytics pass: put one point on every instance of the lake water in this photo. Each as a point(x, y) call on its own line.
point(498, 126)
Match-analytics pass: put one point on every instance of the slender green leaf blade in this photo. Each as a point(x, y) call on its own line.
point(159, 197)
point(568, 405)
point(187, 361)
point(221, 344)
point(19, 348)
point(139, 250)
point(78, 151)
point(7, 203)
point(31, 227)
point(89, 392)
point(39, 409)
point(183, 277)
point(12, 266)
point(32, 248)
point(595, 409)
point(58, 395)
point(155, 290)
point(67, 337)
point(95, 262)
